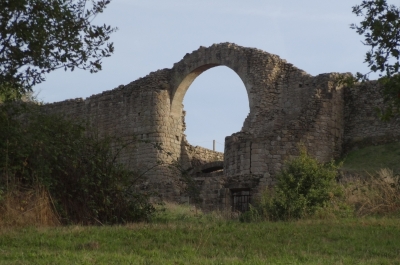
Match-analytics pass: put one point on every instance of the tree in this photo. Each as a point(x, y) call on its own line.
point(381, 30)
point(40, 36)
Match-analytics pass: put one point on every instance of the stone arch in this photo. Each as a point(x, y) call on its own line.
point(179, 92)
point(260, 73)
point(230, 55)
point(280, 97)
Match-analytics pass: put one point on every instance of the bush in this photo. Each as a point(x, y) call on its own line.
point(79, 169)
point(303, 187)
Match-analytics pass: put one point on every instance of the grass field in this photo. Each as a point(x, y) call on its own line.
point(205, 240)
point(182, 235)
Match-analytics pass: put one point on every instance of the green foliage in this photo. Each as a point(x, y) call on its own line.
point(40, 36)
point(381, 30)
point(79, 169)
point(303, 187)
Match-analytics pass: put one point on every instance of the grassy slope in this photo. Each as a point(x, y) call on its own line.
point(373, 158)
point(363, 241)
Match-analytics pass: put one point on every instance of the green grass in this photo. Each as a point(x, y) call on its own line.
point(349, 241)
point(373, 158)
point(182, 235)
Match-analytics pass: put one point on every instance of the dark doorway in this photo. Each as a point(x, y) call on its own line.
point(241, 200)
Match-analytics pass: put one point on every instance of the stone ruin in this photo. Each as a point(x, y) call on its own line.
point(287, 107)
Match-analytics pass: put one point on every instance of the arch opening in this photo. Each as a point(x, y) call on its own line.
point(216, 105)
point(179, 93)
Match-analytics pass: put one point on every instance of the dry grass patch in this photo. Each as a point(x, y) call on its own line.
point(27, 208)
point(377, 194)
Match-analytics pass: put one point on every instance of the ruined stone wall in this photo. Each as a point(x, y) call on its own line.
point(317, 123)
point(278, 94)
point(139, 109)
point(215, 189)
point(362, 125)
point(194, 156)
point(288, 107)
point(210, 186)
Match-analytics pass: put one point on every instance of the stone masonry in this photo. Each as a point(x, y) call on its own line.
point(287, 107)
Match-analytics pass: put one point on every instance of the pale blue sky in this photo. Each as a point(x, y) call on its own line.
point(314, 35)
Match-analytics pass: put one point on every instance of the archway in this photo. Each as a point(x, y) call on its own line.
point(267, 80)
point(216, 106)
point(194, 64)
point(248, 65)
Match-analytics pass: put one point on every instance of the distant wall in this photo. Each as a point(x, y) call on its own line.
point(195, 156)
point(362, 125)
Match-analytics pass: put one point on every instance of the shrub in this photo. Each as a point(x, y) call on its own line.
point(79, 169)
point(303, 187)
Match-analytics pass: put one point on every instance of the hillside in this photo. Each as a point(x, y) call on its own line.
point(371, 159)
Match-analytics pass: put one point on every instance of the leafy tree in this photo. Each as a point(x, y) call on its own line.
point(40, 36)
point(381, 30)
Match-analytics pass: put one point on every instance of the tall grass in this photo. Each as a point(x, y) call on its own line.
point(377, 194)
point(33, 207)
point(169, 212)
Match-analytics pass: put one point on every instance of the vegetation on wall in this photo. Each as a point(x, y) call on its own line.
point(80, 170)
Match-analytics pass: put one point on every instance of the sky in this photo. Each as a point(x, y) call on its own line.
point(313, 35)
